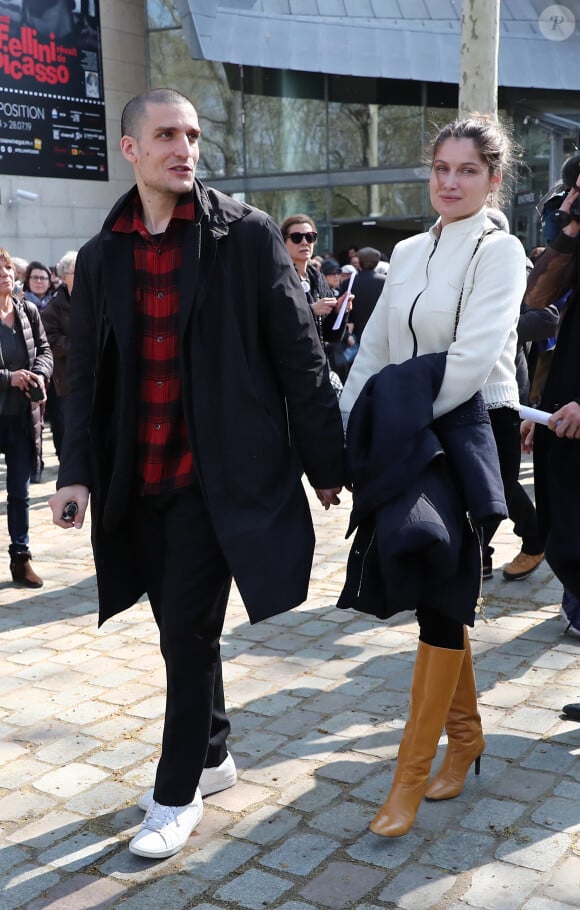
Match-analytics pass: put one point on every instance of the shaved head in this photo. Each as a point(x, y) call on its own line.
point(134, 110)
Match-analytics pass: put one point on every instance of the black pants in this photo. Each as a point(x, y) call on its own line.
point(505, 423)
point(438, 630)
point(188, 584)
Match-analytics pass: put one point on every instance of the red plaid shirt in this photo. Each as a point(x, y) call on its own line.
point(164, 460)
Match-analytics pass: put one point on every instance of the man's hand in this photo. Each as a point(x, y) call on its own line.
point(527, 428)
point(76, 493)
point(329, 498)
point(566, 421)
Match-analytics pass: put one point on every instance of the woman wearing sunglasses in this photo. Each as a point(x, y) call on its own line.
point(300, 236)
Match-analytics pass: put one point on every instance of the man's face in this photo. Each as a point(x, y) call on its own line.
point(165, 152)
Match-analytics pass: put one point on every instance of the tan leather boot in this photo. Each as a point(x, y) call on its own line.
point(466, 742)
point(434, 682)
point(22, 571)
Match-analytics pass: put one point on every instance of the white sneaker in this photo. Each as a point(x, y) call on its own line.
point(571, 630)
point(166, 829)
point(212, 780)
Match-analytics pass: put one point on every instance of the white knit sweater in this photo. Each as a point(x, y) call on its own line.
point(429, 269)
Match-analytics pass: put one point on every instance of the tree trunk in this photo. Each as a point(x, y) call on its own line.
point(479, 56)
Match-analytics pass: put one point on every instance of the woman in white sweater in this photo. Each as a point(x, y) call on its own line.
point(416, 314)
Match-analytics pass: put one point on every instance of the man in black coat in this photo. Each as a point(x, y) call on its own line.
point(198, 394)
point(556, 446)
point(367, 288)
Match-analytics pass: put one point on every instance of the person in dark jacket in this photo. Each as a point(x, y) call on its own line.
point(198, 393)
point(367, 289)
point(556, 447)
point(25, 370)
point(56, 321)
point(300, 235)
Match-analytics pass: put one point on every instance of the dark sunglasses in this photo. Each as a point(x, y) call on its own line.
point(309, 237)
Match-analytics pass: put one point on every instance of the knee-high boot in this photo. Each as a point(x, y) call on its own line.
point(434, 682)
point(466, 742)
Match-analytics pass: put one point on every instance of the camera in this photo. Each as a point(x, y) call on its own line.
point(555, 197)
point(36, 392)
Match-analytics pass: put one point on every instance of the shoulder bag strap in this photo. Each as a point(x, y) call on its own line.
point(460, 301)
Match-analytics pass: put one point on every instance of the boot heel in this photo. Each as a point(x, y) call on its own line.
point(477, 764)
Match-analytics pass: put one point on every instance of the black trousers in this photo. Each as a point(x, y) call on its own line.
point(505, 423)
point(438, 630)
point(188, 583)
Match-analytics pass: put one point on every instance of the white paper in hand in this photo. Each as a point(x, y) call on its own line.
point(535, 415)
point(338, 320)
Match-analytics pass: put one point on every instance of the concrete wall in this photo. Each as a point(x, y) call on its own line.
point(68, 212)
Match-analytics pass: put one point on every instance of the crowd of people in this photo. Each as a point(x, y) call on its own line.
point(208, 359)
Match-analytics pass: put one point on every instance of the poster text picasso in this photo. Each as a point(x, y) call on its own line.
point(52, 110)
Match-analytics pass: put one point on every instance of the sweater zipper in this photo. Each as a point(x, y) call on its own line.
point(414, 304)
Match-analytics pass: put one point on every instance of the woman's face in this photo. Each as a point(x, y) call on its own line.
point(6, 278)
point(460, 182)
point(39, 282)
point(302, 250)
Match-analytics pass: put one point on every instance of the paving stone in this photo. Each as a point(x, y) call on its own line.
point(300, 854)
point(68, 781)
point(254, 889)
point(523, 785)
point(344, 821)
point(279, 772)
point(82, 892)
point(11, 856)
point(341, 884)
point(78, 851)
point(458, 851)
point(51, 826)
point(534, 848)
point(549, 757)
point(532, 720)
point(563, 883)
point(174, 892)
point(67, 749)
point(308, 795)
point(313, 745)
point(218, 858)
point(540, 903)
point(101, 798)
point(20, 806)
point(560, 814)
point(25, 884)
point(260, 745)
point(417, 888)
point(386, 852)
point(349, 768)
point(493, 815)
point(266, 825)
point(121, 755)
point(496, 885)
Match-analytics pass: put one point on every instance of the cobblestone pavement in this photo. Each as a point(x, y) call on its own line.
point(318, 699)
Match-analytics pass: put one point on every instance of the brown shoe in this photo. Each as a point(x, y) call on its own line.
point(22, 571)
point(522, 566)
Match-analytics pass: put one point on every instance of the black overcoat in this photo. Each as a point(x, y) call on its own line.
point(557, 461)
point(258, 403)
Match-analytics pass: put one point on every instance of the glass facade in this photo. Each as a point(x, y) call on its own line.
point(350, 152)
